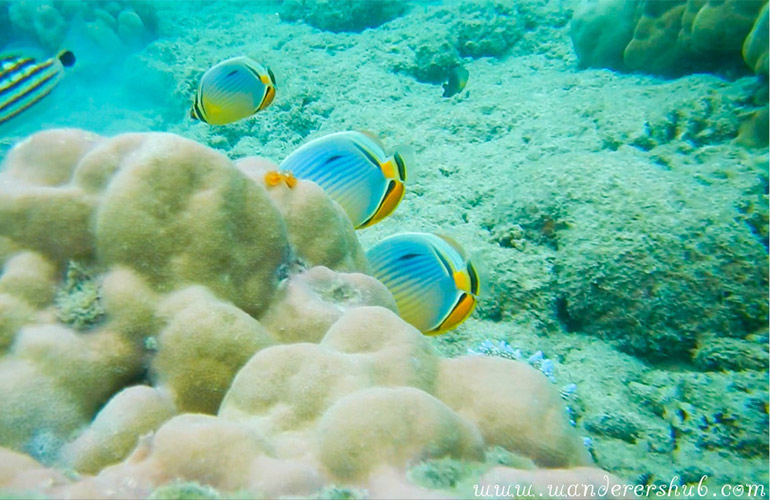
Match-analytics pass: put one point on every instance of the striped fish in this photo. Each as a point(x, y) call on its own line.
point(24, 81)
point(436, 286)
point(232, 90)
point(354, 170)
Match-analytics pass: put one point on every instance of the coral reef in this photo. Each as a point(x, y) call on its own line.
point(489, 31)
point(224, 354)
point(754, 131)
point(666, 38)
point(650, 423)
point(679, 37)
point(304, 208)
point(669, 269)
point(600, 30)
point(180, 490)
point(77, 302)
point(115, 430)
point(703, 412)
point(755, 46)
point(468, 30)
point(726, 354)
point(112, 25)
point(342, 15)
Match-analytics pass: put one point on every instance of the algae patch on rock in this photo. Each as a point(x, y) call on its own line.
point(78, 301)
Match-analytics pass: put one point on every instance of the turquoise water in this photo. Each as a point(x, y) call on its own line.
point(606, 164)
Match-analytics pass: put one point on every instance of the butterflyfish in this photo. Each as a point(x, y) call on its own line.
point(232, 90)
point(24, 81)
point(456, 81)
point(434, 283)
point(354, 170)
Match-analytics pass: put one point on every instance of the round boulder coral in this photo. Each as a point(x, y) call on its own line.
point(669, 38)
point(669, 260)
point(394, 426)
point(306, 209)
point(755, 46)
point(117, 427)
point(187, 272)
point(308, 303)
point(600, 30)
point(342, 15)
point(201, 348)
point(198, 222)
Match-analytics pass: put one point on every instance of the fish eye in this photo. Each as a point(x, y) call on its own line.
point(272, 76)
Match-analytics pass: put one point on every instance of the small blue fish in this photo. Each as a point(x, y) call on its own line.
point(232, 90)
point(24, 81)
point(435, 285)
point(355, 171)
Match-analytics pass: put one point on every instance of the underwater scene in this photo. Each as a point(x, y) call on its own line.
point(383, 249)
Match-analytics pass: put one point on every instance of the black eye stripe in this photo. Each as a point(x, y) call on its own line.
point(408, 256)
point(332, 159)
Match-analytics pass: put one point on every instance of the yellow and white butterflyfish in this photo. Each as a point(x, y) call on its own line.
point(232, 90)
point(24, 81)
point(354, 170)
point(436, 286)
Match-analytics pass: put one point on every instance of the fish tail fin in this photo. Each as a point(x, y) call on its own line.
point(399, 164)
point(478, 268)
point(66, 57)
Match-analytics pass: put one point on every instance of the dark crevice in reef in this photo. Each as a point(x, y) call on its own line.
point(562, 314)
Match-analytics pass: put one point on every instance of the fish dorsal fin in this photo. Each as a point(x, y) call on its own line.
point(471, 278)
point(398, 164)
point(374, 137)
point(454, 244)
